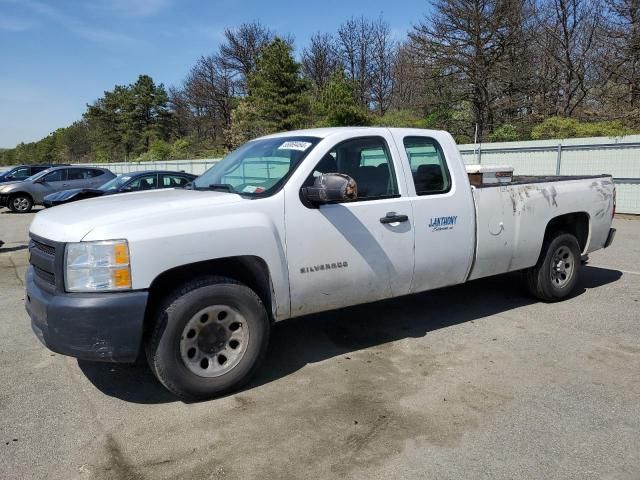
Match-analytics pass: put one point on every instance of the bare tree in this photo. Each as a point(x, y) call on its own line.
point(382, 63)
point(464, 42)
point(241, 48)
point(205, 102)
point(407, 79)
point(320, 59)
point(515, 68)
point(355, 47)
point(622, 64)
point(567, 46)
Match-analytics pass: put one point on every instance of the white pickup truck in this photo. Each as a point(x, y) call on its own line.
point(287, 225)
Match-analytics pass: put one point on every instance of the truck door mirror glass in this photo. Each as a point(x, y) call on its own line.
point(331, 188)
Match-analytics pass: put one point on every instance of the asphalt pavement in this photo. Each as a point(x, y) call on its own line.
point(478, 381)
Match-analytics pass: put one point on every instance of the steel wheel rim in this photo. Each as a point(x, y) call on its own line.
point(562, 266)
point(214, 341)
point(20, 203)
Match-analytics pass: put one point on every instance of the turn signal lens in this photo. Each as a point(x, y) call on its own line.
point(121, 254)
point(121, 277)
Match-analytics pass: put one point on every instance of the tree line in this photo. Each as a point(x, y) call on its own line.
point(492, 70)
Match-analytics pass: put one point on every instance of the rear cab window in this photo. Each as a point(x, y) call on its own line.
point(428, 165)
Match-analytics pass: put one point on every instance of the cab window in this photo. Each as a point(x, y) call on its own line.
point(428, 166)
point(22, 172)
point(145, 182)
point(367, 161)
point(174, 181)
point(56, 176)
point(79, 173)
point(93, 172)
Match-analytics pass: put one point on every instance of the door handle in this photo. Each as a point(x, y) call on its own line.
point(66, 184)
point(393, 217)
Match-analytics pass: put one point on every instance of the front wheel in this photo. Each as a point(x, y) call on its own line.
point(208, 338)
point(20, 203)
point(555, 275)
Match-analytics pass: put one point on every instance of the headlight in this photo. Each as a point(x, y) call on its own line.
point(97, 266)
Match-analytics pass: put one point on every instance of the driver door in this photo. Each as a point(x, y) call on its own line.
point(342, 254)
point(51, 182)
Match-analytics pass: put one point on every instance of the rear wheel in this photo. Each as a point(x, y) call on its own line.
point(555, 275)
point(208, 338)
point(20, 203)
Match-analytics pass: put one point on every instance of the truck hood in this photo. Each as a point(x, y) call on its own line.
point(72, 222)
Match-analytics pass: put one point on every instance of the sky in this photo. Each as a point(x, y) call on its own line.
point(58, 55)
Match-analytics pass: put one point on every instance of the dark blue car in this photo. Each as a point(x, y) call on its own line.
point(127, 182)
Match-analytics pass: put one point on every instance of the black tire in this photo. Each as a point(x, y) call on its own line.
point(20, 203)
point(543, 280)
point(163, 344)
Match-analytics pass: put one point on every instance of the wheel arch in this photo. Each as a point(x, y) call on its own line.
point(250, 270)
point(577, 224)
point(20, 192)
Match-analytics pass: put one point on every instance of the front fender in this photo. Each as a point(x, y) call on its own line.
point(155, 249)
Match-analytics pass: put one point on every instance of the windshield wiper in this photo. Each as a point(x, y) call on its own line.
point(221, 187)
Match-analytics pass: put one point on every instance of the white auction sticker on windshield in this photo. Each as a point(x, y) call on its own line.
point(293, 145)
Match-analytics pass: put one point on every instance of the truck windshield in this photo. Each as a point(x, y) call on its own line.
point(258, 168)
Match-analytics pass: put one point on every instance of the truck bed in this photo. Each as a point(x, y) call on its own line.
point(512, 217)
point(523, 179)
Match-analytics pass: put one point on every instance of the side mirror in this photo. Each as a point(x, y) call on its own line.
point(331, 188)
point(10, 177)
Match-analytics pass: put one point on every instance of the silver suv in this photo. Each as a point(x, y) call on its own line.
point(22, 196)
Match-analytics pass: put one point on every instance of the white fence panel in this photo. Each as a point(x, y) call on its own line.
point(618, 156)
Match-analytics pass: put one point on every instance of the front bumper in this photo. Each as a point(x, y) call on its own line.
point(101, 326)
point(610, 237)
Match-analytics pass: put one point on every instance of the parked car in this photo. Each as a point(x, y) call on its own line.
point(22, 196)
point(22, 172)
point(130, 182)
point(288, 225)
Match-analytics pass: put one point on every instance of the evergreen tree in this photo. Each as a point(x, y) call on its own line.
point(337, 106)
point(278, 93)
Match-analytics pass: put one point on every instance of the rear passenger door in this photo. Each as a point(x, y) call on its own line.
point(443, 216)
point(79, 177)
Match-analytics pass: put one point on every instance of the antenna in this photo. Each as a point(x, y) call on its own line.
point(475, 142)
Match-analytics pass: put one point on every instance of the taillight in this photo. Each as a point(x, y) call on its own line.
point(613, 211)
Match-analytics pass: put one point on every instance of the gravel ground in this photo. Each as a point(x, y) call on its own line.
point(471, 382)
